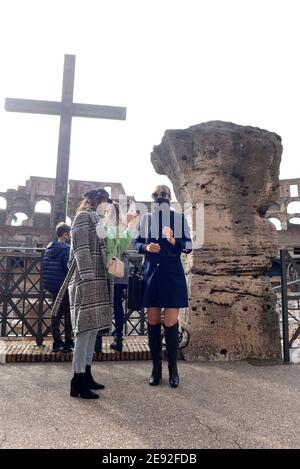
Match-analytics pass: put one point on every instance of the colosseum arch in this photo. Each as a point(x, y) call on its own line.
point(293, 207)
point(294, 220)
point(18, 218)
point(276, 222)
point(42, 206)
point(3, 203)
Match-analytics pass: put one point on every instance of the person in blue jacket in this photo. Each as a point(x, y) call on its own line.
point(162, 236)
point(55, 269)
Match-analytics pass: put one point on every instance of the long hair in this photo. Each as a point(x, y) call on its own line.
point(113, 217)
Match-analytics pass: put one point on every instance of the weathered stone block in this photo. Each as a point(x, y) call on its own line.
point(234, 171)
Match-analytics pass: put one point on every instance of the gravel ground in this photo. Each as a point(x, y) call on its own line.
point(217, 405)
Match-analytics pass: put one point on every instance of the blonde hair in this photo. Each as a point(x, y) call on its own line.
point(163, 188)
point(114, 215)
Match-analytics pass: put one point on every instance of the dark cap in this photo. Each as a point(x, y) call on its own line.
point(99, 193)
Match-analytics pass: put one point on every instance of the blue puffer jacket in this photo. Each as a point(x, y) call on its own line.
point(55, 266)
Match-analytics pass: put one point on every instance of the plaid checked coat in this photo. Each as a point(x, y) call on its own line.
point(90, 290)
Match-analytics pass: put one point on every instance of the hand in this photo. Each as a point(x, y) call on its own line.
point(169, 234)
point(129, 217)
point(153, 247)
point(133, 223)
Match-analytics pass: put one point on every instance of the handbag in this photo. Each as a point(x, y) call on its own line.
point(135, 289)
point(115, 266)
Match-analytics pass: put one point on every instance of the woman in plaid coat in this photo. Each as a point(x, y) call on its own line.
point(90, 300)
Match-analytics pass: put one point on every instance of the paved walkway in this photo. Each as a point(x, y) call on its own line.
point(228, 405)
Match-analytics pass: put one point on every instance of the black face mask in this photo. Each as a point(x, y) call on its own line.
point(162, 200)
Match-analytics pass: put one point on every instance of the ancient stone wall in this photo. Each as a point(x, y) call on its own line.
point(285, 211)
point(232, 170)
point(36, 229)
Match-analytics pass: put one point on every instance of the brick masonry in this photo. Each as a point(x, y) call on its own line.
point(26, 351)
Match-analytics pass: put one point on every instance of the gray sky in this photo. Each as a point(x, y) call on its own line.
point(172, 63)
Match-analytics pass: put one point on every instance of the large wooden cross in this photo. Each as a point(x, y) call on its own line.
point(66, 109)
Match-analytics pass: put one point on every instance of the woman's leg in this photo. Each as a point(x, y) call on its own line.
point(91, 347)
point(119, 289)
point(79, 385)
point(154, 315)
point(80, 352)
point(89, 360)
point(170, 316)
point(118, 308)
point(155, 344)
point(171, 333)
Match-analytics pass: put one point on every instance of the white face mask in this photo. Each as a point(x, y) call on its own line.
point(99, 210)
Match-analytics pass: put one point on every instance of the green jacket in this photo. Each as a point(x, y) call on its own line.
point(117, 241)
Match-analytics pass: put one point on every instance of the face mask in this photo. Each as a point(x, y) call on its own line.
point(162, 200)
point(99, 211)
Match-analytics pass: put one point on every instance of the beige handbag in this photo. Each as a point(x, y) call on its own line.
point(115, 266)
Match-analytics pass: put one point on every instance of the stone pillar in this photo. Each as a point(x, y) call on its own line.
point(234, 171)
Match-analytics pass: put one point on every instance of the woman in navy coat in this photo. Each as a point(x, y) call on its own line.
point(162, 236)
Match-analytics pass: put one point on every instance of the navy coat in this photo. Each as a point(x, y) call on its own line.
point(55, 265)
point(164, 277)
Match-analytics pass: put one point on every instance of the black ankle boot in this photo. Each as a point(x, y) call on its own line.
point(58, 346)
point(80, 388)
point(69, 346)
point(117, 344)
point(171, 334)
point(155, 345)
point(91, 383)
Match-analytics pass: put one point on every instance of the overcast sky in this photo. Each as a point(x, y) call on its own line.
point(171, 63)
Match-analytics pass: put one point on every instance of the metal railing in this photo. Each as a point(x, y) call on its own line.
point(287, 298)
point(25, 306)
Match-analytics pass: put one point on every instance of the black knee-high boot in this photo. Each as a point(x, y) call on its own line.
point(172, 351)
point(155, 345)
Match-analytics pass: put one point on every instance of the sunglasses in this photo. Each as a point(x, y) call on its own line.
point(162, 194)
